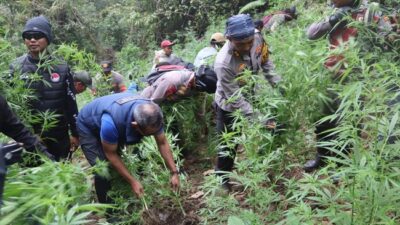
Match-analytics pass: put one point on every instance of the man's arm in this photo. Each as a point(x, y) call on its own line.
point(165, 151)
point(267, 66)
point(11, 126)
point(270, 74)
point(319, 29)
point(109, 140)
point(160, 90)
point(110, 150)
point(277, 20)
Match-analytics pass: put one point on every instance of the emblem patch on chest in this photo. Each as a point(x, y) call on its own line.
point(55, 77)
point(241, 67)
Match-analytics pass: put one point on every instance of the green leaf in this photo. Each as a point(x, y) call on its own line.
point(252, 5)
point(393, 123)
point(234, 220)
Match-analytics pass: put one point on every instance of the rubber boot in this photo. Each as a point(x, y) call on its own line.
point(314, 164)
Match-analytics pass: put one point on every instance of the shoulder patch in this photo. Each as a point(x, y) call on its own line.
point(241, 67)
point(264, 53)
point(122, 101)
point(258, 49)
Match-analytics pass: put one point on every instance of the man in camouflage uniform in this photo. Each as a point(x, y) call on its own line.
point(339, 34)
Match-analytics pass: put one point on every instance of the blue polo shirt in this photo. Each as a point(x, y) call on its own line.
point(108, 130)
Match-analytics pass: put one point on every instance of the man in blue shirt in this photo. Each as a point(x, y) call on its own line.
point(112, 121)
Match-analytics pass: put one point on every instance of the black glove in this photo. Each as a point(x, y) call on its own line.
point(339, 15)
point(42, 149)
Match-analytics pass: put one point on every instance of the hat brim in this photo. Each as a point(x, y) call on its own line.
point(169, 45)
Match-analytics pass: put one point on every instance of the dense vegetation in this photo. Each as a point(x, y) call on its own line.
point(271, 187)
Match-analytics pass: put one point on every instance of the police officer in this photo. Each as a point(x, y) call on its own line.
point(165, 55)
point(177, 84)
point(272, 21)
point(11, 126)
point(244, 50)
point(110, 122)
point(113, 77)
point(339, 34)
point(205, 55)
point(54, 90)
point(82, 80)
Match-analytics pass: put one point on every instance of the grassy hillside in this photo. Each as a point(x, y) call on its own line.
point(270, 185)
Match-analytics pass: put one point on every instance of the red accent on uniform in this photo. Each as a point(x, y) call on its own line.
point(55, 77)
point(340, 36)
point(122, 88)
point(170, 91)
point(170, 67)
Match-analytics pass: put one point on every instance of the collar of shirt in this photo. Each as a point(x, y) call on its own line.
point(237, 54)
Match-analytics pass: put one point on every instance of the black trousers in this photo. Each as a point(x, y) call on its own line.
point(92, 149)
point(226, 155)
point(324, 130)
point(57, 142)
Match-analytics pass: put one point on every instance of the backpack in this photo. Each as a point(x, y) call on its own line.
point(206, 79)
point(166, 67)
point(159, 71)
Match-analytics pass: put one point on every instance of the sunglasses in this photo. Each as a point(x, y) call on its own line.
point(34, 35)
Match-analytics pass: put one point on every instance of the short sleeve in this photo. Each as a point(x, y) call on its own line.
point(160, 131)
point(108, 130)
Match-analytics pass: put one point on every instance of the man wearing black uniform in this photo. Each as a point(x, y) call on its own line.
point(11, 126)
point(54, 90)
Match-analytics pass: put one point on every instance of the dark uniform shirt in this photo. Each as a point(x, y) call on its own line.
point(55, 91)
point(11, 126)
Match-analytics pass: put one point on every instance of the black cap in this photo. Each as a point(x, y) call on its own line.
point(106, 65)
point(39, 24)
point(83, 77)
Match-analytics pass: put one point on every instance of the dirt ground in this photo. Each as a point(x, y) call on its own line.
point(196, 166)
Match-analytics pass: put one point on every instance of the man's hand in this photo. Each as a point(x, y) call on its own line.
point(94, 91)
point(74, 141)
point(182, 90)
point(175, 184)
point(137, 188)
point(110, 150)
